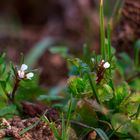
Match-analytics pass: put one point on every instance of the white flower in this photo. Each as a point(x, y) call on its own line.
point(93, 60)
point(102, 61)
point(23, 67)
point(22, 74)
point(106, 65)
point(29, 75)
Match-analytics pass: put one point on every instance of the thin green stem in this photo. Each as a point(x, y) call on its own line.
point(137, 53)
point(117, 6)
point(109, 41)
point(138, 111)
point(115, 130)
point(93, 88)
point(52, 126)
point(102, 30)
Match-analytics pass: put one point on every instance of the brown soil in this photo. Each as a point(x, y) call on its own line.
point(39, 131)
point(14, 126)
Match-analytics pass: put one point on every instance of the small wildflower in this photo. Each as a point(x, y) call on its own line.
point(106, 65)
point(93, 60)
point(101, 70)
point(102, 61)
point(23, 67)
point(29, 75)
point(22, 72)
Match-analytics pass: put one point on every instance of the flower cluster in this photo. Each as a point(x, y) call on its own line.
point(101, 70)
point(22, 74)
point(105, 65)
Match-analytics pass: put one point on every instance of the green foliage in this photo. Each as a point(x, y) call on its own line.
point(86, 113)
point(76, 85)
point(102, 134)
point(136, 53)
point(100, 98)
point(63, 51)
point(105, 93)
point(8, 111)
point(26, 90)
point(121, 92)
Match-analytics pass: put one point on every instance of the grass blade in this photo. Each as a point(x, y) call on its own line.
point(138, 111)
point(102, 30)
point(52, 126)
point(29, 128)
point(102, 134)
point(93, 88)
point(109, 41)
point(137, 53)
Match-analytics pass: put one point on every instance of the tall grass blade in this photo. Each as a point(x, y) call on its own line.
point(102, 30)
point(109, 41)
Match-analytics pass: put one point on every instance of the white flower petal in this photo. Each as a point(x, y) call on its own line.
point(93, 60)
point(21, 74)
point(102, 61)
point(29, 75)
point(106, 65)
point(23, 67)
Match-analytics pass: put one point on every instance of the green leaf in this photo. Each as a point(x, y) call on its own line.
point(135, 84)
point(87, 114)
point(102, 134)
point(3, 68)
point(121, 92)
point(105, 93)
point(8, 110)
point(49, 98)
point(120, 123)
point(13, 68)
point(54, 91)
point(59, 50)
point(3, 85)
point(8, 77)
point(76, 85)
point(8, 138)
point(135, 97)
point(2, 56)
